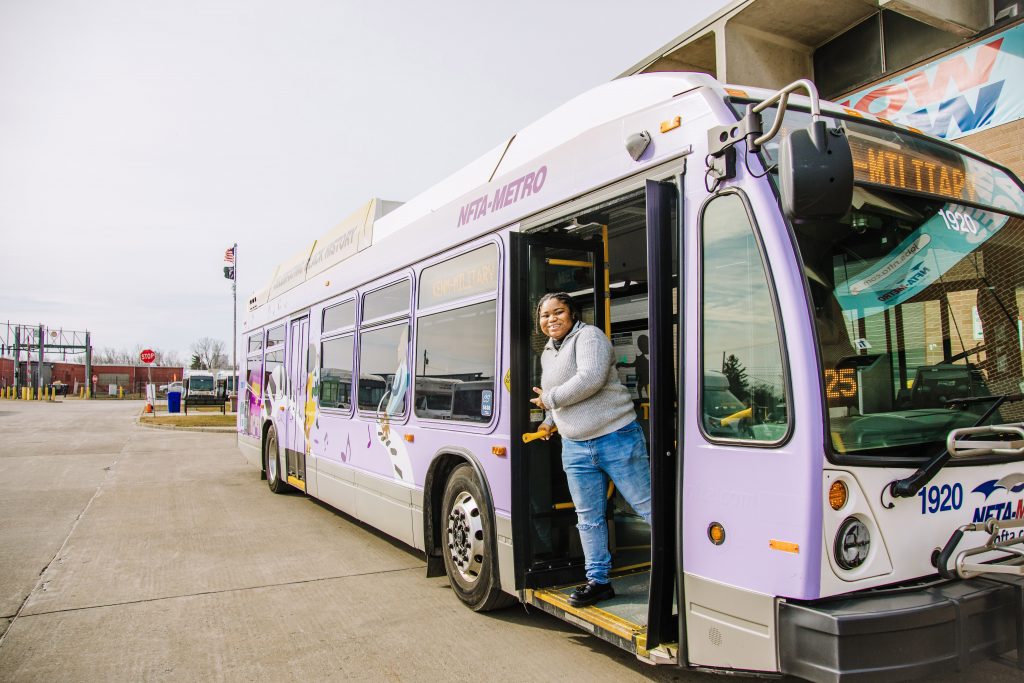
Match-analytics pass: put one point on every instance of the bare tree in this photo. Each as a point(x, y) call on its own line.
point(211, 353)
point(167, 359)
point(108, 355)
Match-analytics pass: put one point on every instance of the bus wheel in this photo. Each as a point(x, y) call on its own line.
point(469, 559)
point(272, 464)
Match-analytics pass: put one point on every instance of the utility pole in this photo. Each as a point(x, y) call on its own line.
point(19, 381)
point(88, 365)
point(39, 371)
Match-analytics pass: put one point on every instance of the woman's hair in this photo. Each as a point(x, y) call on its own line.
point(565, 299)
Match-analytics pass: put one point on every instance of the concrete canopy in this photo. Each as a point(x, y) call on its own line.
point(768, 43)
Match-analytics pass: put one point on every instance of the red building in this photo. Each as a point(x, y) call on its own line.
point(131, 378)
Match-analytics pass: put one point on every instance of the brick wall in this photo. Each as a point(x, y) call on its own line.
point(1003, 144)
point(132, 377)
point(6, 372)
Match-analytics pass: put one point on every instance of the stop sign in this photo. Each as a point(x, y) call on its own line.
point(147, 356)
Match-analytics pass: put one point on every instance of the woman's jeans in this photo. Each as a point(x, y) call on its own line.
point(621, 456)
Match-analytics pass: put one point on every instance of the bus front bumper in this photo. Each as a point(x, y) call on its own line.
point(902, 636)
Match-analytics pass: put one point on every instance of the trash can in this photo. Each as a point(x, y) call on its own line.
point(173, 401)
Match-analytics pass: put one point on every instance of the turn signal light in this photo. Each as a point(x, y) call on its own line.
point(838, 495)
point(498, 451)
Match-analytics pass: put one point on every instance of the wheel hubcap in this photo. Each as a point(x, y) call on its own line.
point(466, 537)
point(272, 460)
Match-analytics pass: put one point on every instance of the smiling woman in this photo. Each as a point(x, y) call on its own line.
point(601, 439)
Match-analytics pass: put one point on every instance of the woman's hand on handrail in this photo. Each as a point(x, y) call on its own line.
point(543, 432)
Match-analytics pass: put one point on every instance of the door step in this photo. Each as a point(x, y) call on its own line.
point(617, 621)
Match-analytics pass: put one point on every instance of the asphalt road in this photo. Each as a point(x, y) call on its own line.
point(128, 553)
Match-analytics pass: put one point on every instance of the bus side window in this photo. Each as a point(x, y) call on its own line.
point(744, 384)
point(335, 390)
point(455, 358)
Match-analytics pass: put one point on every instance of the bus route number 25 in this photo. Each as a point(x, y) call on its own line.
point(840, 384)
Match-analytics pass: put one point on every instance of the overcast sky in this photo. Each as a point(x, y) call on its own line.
point(139, 139)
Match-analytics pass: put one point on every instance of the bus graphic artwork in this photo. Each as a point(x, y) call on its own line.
point(391, 403)
point(833, 354)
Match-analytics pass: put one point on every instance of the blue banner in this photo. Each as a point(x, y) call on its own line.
point(923, 257)
point(964, 92)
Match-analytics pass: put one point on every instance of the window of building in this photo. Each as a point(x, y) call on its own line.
point(849, 59)
point(884, 43)
point(255, 343)
point(744, 380)
point(906, 41)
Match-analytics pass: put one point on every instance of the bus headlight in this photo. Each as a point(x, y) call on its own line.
point(852, 543)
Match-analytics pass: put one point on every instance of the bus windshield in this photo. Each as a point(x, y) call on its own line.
point(200, 383)
point(918, 294)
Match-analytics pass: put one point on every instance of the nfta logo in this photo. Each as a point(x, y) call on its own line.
point(1008, 510)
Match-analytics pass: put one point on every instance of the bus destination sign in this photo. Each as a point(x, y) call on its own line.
point(889, 163)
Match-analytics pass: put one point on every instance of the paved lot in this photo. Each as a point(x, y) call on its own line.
point(129, 554)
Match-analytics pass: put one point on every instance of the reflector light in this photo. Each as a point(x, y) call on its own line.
point(716, 533)
point(671, 124)
point(784, 546)
point(837, 495)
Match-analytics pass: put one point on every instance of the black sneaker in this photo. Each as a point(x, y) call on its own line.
point(591, 592)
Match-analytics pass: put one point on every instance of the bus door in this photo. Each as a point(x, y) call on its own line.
point(297, 429)
point(632, 294)
point(547, 544)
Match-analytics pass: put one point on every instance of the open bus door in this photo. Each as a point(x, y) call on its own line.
point(549, 560)
point(544, 521)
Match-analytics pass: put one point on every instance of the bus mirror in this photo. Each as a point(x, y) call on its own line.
point(816, 173)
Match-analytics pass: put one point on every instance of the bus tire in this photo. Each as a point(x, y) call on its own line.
point(467, 543)
point(272, 463)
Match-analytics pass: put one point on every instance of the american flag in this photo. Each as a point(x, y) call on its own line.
point(229, 255)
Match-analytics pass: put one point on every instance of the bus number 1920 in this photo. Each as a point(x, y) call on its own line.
point(941, 498)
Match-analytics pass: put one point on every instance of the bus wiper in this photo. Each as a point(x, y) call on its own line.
point(909, 486)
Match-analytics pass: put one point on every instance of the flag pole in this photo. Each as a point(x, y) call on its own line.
point(234, 318)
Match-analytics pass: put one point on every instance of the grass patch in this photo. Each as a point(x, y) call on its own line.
point(199, 420)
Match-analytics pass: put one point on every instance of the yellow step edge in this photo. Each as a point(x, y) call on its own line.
point(612, 623)
point(297, 483)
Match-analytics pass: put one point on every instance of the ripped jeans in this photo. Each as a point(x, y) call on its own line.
point(621, 456)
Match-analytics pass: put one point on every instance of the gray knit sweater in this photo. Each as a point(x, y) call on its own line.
point(581, 386)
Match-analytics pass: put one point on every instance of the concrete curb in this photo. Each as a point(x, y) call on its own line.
point(217, 430)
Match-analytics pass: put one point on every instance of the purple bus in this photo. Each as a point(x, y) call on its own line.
point(818, 314)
